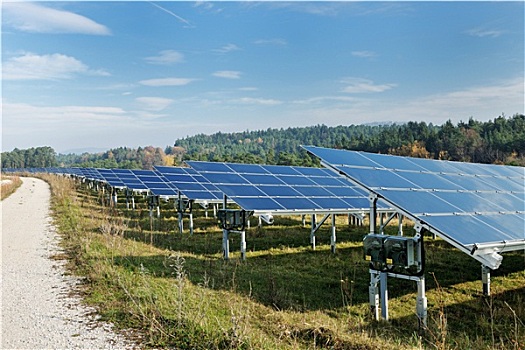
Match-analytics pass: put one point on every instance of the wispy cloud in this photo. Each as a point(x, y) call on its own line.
point(360, 85)
point(256, 101)
point(154, 103)
point(46, 67)
point(364, 54)
point(248, 88)
point(186, 22)
point(227, 48)
point(31, 17)
point(167, 82)
point(482, 33)
point(227, 74)
point(274, 41)
point(325, 99)
point(166, 57)
point(25, 115)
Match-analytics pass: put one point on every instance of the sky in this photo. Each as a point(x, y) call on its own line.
point(97, 75)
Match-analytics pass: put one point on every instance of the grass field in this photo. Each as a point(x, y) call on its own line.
point(175, 290)
point(9, 185)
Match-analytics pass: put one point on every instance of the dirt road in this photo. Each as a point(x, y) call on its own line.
point(38, 310)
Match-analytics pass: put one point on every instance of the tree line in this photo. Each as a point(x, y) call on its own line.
point(499, 141)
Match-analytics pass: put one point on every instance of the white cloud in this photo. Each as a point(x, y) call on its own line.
point(154, 103)
point(257, 101)
point(360, 85)
point(166, 57)
point(364, 54)
point(179, 18)
point(227, 74)
point(31, 117)
point(324, 99)
point(31, 17)
point(45, 67)
point(227, 48)
point(507, 93)
point(167, 82)
point(481, 33)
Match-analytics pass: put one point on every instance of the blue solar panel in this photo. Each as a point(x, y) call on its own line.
point(190, 184)
point(470, 204)
point(275, 188)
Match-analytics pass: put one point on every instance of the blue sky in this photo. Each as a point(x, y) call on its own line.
point(78, 75)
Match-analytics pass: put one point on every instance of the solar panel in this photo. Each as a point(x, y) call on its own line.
point(111, 178)
point(190, 183)
point(472, 206)
point(283, 189)
point(130, 180)
point(155, 183)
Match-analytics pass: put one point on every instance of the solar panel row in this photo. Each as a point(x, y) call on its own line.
point(283, 189)
point(470, 205)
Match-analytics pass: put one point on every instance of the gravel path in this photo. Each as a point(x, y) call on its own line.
point(38, 309)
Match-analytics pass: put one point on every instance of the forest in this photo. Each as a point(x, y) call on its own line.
point(497, 141)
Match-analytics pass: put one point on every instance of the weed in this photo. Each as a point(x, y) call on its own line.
point(9, 186)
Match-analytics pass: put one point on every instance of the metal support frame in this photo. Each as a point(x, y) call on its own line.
point(332, 235)
point(373, 292)
point(130, 198)
point(373, 212)
point(184, 207)
point(378, 295)
point(154, 202)
point(421, 303)
point(316, 225)
point(226, 233)
point(114, 197)
point(384, 223)
point(485, 278)
point(312, 232)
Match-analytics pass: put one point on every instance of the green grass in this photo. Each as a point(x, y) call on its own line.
point(176, 291)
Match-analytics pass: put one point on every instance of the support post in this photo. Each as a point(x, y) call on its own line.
point(332, 237)
point(383, 286)
point(303, 220)
point(312, 232)
point(191, 223)
point(373, 213)
point(259, 225)
point(373, 293)
point(158, 211)
point(400, 224)
point(421, 303)
point(243, 245)
point(181, 223)
point(225, 238)
point(485, 278)
point(225, 245)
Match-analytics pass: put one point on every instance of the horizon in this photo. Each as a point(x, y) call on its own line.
point(74, 76)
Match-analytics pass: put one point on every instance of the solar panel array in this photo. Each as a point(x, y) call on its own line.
point(283, 189)
point(190, 183)
point(469, 204)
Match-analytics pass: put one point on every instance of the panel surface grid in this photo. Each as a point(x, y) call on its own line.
point(469, 203)
point(190, 183)
point(275, 188)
